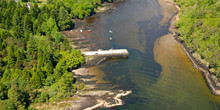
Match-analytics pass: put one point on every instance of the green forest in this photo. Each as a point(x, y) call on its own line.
point(35, 57)
point(199, 28)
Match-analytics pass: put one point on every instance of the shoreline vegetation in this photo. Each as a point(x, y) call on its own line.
point(91, 96)
point(210, 77)
point(36, 58)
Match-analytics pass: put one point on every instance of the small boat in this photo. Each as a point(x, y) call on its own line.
point(110, 38)
point(110, 31)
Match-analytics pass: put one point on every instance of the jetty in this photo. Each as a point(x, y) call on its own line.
point(122, 53)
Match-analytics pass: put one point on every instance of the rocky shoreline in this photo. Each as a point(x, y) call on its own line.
point(212, 82)
point(93, 96)
point(97, 93)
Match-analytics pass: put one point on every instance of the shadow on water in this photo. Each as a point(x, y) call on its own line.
point(151, 32)
point(140, 70)
point(137, 34)
point(136, 26)
point(149, 69)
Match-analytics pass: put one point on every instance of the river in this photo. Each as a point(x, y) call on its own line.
point(157, 70)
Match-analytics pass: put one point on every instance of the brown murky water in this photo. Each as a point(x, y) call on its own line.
point(99, 75)
point(187, 82)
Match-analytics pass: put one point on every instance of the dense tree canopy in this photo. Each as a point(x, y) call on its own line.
point(199, 27)
point(35, 57)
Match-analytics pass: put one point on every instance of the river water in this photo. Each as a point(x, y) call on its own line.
point(157, 70)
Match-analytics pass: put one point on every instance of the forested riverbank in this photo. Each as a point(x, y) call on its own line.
point(198, 33)
point(35, 57)
point(162, 80)
point(199, 28)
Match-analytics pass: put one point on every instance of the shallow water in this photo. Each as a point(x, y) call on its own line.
point(157, 70)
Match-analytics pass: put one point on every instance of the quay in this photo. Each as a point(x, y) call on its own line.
point(108, 53)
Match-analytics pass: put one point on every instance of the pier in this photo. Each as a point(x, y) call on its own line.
point(108, 53)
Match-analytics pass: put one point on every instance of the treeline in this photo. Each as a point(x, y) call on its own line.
point(35, 58)
point(77, 8)
point(199, 28)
